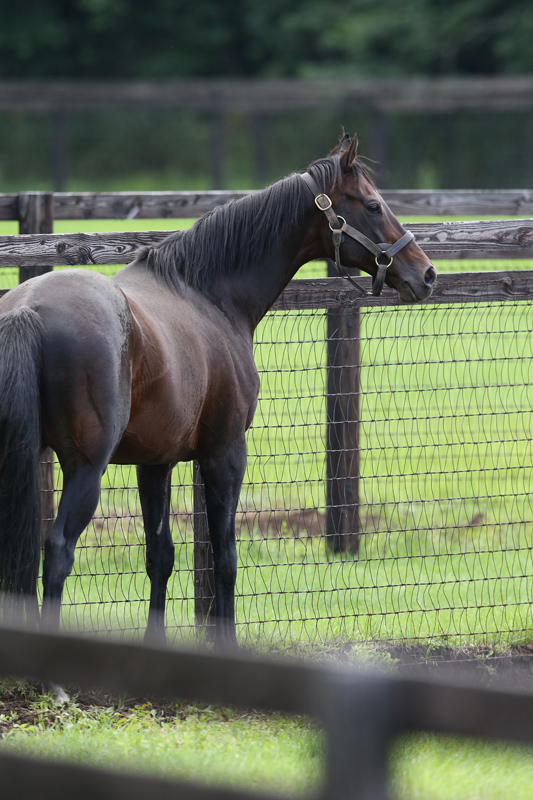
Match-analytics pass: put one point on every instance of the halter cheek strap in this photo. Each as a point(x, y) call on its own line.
point(339, 227)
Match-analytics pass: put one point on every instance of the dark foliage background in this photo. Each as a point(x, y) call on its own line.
point(126, 39)
point(304, 38)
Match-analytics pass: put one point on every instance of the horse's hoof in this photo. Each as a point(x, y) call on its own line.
point(155, 638)
point(228, 644)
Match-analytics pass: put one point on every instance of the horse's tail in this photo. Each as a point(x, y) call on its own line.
point(20, 437)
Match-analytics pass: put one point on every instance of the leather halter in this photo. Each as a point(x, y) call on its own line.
point(339, 226)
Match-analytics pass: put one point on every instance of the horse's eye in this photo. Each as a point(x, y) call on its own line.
point(373, 208)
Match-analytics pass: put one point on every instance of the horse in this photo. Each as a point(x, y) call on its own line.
point(155, 366)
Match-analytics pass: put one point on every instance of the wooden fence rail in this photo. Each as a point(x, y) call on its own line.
point(361, 713)
point(183, 205)
point(442, 240)
point(426, 94)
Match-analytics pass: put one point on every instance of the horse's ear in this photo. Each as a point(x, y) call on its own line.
point(349, 152)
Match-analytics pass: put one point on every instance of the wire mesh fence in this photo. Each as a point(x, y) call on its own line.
point(445, 463)
point(430, 476)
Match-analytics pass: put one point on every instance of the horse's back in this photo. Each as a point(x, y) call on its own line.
point(86, 357)
point(71, 301)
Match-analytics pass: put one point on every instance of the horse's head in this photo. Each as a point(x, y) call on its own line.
point(358, 229)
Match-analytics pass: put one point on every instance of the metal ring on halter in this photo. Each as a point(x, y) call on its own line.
point(336, 229)
point(384, 253)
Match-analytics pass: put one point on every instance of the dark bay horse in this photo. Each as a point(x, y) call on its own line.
point(155, 366)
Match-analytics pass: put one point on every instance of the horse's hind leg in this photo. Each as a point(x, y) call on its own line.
point(81, 490)
point(223, 476)
point(154, 491)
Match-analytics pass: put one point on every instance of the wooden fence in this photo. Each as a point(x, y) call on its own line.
point(214, 99)
point(361, 714)
point(434, 94)
point(38, 250)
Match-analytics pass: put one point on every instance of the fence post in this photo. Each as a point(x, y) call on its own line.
point(204, 583)
point(343, 391)
point(362, 719)
point(36, 215)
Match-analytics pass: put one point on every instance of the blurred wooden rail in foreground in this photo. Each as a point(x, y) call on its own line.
point(360, 713)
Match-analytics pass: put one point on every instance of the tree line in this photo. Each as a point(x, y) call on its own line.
point(123, 39)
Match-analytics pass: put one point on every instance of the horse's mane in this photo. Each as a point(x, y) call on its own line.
point(239, 233)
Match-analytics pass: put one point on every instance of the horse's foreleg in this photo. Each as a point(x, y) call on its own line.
point(79, 499)
point(154, 491)
point(223, 478)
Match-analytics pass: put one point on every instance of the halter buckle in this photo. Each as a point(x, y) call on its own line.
point(323, 202)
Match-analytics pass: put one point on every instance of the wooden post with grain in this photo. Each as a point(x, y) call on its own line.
point(204, 579)
point(342, 456)
point(36, 215)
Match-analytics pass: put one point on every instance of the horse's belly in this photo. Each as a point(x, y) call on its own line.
point(157, 433)
point(186, 426)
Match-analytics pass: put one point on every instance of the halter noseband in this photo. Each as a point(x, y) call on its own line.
point(339, 226)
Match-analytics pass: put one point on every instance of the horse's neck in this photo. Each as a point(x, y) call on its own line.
point(251, 293)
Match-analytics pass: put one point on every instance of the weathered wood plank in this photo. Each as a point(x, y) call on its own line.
point(452, 287)
point(167, 205)
point(467, 709)
point(190, 205)
point(459, 203)
point(445, 240)
point(485, 239)
point(343, 414)
point(140, 205)
point(36, 216)
point(75, 248)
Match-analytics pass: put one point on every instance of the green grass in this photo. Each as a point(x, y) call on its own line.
point(272, 753)
point(431, 767)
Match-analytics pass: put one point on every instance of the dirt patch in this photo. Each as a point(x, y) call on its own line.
point(274, 524)
point(512, 668)
point(25, 704)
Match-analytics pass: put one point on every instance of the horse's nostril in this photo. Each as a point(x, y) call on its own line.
point(430, 275)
